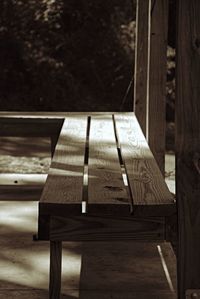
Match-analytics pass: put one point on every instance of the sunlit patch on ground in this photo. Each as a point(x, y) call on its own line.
point(18, 216)
point(24, 155)
point(25, 263)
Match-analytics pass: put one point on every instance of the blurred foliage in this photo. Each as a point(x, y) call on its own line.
point(66, 55)
point(70, 55)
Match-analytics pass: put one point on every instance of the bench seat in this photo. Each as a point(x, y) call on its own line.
point(103, 182)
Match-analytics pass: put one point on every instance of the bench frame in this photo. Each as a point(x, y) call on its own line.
point(58, 222)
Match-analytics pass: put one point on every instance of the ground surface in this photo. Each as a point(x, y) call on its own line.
point(122, 270)
point(119, 270)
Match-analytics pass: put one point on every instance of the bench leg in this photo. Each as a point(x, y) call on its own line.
point(55, 270)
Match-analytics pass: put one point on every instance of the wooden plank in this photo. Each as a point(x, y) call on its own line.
point(157, 80)
point(188, 144)
point(148, 188)
point(64, 183)
point(94, 227)
point(141, 62)
point(105, 184)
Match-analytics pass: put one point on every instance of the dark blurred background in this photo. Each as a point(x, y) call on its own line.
point(72, 55)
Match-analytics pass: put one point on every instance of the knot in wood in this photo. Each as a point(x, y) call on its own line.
point(113, 188)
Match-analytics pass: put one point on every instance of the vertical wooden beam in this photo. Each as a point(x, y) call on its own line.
point(55, 269)
point(141, 62)
point(150, 73)
point(188, 144)
point(156, 100)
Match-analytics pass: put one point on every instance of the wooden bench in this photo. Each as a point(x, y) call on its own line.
point(103, 185)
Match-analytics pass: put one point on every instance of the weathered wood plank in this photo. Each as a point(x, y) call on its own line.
point(157, 80)
point(141, 62)
point(105, 184)
point(65, 180)
point(188, 144)
point(94, 227)
point(148, 188)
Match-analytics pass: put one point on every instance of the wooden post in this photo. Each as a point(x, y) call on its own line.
point(141, 62)
point(156, 100)
point(55, 269)
point(188, 145)
point(150, 73)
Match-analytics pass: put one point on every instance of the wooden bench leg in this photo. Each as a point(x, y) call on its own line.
point(55, 270)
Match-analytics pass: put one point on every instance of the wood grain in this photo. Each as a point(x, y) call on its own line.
point(147, 185)
point(65, 179)
point(157, 80)
point(105, 228)
point(141, 62)
point(188, 144)
point(105, 177)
